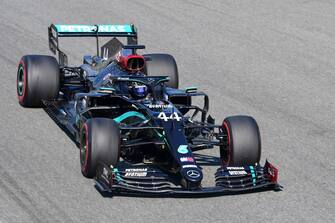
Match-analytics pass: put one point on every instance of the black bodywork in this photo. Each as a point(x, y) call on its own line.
point(159, 133)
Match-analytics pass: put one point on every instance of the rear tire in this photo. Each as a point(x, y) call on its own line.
point(37, 80)
point(243, 141)
point(162, 65)
point(99, 143)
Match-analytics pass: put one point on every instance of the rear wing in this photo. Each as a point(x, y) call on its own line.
point(56, 31)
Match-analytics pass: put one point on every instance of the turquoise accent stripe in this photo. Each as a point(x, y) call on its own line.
point(253, 175)
point(191, 89)
point(107, 88)
point(117, 175)
point(91, 28)
point(128, 115)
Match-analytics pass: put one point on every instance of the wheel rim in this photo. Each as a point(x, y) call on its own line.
point(20, 81)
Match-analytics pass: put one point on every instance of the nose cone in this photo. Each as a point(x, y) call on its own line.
point(192, 177)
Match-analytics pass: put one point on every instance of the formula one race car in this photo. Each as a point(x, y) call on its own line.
point(137, 132)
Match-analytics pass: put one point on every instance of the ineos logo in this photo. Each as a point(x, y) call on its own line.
point(193, 173)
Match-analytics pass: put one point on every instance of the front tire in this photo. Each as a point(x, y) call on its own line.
point(243, 141)
point(162, 65)
point(99, 143)
point(37, 80)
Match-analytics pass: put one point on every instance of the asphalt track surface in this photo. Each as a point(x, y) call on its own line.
point(274, 60)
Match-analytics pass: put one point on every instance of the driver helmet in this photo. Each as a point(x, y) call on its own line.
point(138, 91)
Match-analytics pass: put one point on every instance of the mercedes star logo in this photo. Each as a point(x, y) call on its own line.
point(193, 173)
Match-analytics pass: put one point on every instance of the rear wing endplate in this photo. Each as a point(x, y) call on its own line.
point(55, 31)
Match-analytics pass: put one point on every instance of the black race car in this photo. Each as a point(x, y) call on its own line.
point(136, 130)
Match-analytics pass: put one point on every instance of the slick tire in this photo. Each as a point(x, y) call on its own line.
point(99, 143)
point(162, 65)
point(37, 80)
point(243, 141)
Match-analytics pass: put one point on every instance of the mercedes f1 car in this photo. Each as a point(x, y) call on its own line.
point(137, 132)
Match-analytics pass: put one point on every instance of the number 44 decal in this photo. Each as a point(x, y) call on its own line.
point(173, 116)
